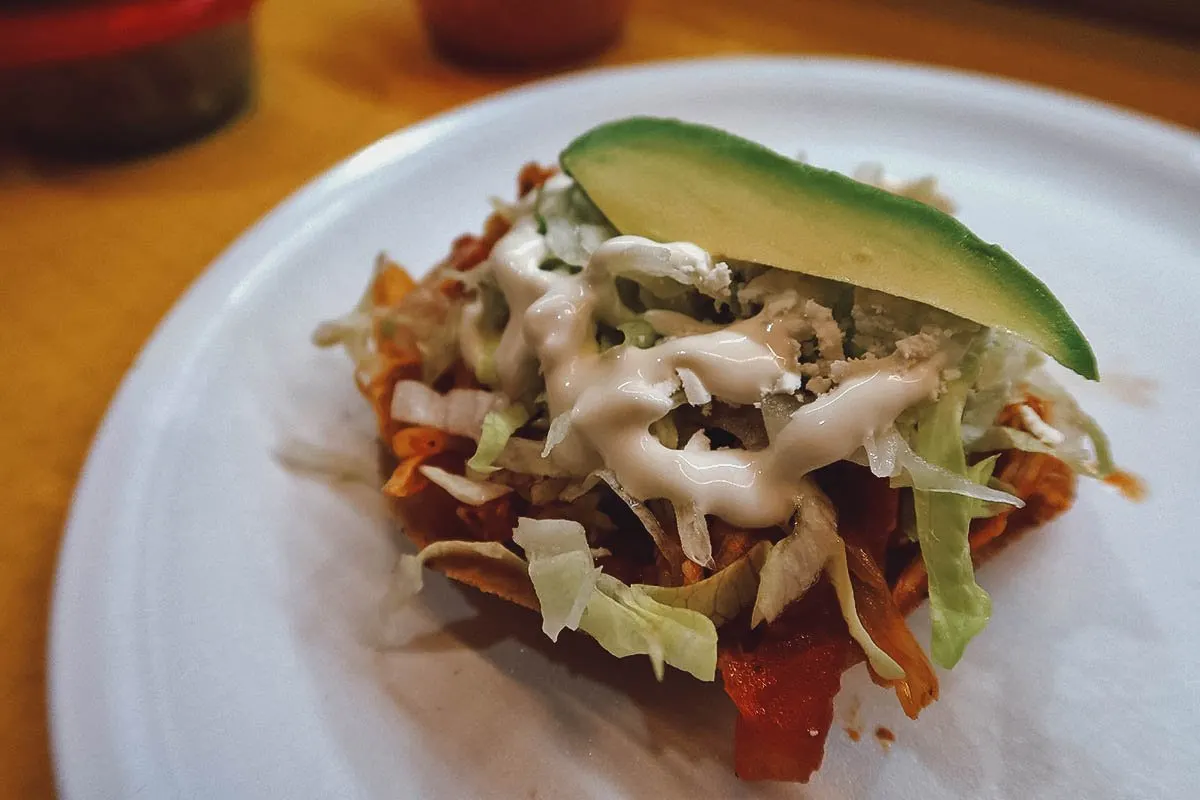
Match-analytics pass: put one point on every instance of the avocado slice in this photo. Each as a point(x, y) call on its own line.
point(676, 181)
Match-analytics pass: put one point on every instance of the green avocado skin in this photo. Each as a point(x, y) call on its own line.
point(671, 180)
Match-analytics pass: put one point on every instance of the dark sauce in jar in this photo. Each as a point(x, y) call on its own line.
point(139, 97)
point(522, 34)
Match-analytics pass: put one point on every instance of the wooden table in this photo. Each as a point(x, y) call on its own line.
point(90, 259)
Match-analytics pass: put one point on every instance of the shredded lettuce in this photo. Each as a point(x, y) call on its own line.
point(690, 520)
point(572, 242)
point(890, 456)
point(665, 271)
point(721, 596)
point(459, 411)
point(573, 226)
point(561, 568)
point(839, 575)
point(625, 620)
point(959, 607)
point(479, 334)
point(408, 579)
point(560, 426)
point(693, 533)
point(1004, 362)
point(525, 456)
point(638, 333)
point(794, 564)
point(432, 318)
point(1099, 465)
point(1103, 462)
point(498, 428)
point(579, 488)
point(981, 473)
point(1010, 370)
point(353, 330)
point(1074, 437)
point(670, 548)
point(465, 490)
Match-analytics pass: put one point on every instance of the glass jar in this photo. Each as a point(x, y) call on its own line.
point(522, 33)
point(115, 79)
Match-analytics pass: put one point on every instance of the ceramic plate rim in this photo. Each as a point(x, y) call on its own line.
point(85, 597)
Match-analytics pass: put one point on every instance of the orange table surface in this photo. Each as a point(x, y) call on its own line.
point(91, 258)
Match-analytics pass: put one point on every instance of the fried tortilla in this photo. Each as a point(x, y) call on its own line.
point(459, 501)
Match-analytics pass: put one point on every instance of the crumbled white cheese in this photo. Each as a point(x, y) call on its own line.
point(884, 324)
point(694, 390)
point(1044, 431)
point(829, 335)
point(819, 385)
point(810, 369)
point(918, 346)
point(788, 383)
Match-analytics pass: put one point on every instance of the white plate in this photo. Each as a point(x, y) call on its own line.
point(212, 620)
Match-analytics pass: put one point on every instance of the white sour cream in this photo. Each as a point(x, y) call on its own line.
point(613, 397)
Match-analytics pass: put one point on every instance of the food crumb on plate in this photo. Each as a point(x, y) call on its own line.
point(885, 737)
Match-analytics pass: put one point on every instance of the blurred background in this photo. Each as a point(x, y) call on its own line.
point(139, 137)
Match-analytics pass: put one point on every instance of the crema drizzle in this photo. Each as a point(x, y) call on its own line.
point(613, 397)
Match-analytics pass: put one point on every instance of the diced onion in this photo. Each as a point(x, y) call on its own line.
point(459, 411)
point(465, 490)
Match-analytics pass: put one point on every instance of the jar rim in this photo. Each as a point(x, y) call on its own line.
point(35, 38)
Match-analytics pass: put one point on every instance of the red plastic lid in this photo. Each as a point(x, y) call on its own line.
point(42, 37)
